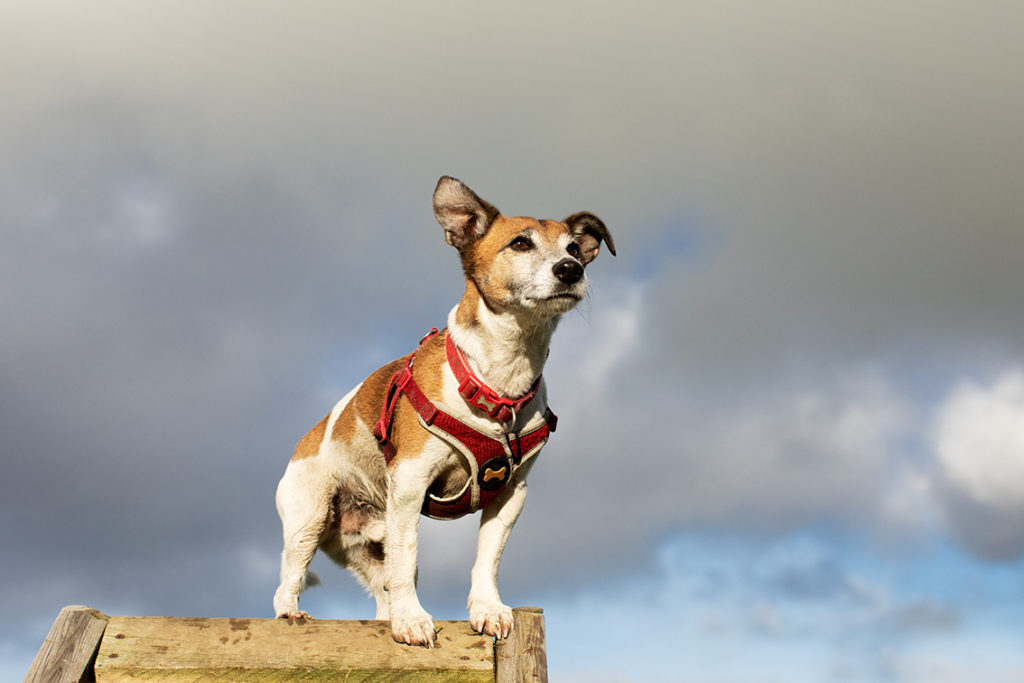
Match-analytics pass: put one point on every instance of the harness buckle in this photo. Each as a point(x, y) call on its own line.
point(507, 415)
point(403, 378)
point(468, 389)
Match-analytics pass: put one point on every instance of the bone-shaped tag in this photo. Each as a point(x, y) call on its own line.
point(495, 474)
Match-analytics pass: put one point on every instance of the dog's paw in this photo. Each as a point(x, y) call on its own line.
point(412, 626)
point(298, 614)
point(491, 618)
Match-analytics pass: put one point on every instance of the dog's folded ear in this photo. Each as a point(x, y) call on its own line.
point(589, 230)
point(463, 215)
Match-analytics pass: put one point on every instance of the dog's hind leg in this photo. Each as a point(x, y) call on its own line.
point(359, 547)
point(304, 514)
point(370, 571)
point(366, 562)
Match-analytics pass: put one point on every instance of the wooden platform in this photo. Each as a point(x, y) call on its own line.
point(87, 645)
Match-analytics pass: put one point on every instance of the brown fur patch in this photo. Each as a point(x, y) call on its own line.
point(368, 401)
point(466, 313)
point(481, 262)
point(365, 407)
point(345, 426)
point(406, 433)
point(408, 436)
point(483, 253)
point(553, 229)
point(309, 445)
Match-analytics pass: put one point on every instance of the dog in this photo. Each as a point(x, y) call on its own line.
point(449, 429)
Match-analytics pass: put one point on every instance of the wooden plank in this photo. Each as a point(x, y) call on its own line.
point(522, 657)
point(67, 654)
point(168, 649)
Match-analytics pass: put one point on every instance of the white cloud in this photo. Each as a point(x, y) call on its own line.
point(644, 455)
point(979, 444)
point(596, 339)
point(979, 440)
point(816, 451)
point(618, 333)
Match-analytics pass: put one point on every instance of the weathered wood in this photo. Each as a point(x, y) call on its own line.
point(67, 654)
point(168, 649)
point(522, 657)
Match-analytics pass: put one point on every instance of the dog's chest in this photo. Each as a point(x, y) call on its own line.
point(453, 477)
point(491, 460)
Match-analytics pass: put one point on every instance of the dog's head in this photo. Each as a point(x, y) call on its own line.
point(519, 264)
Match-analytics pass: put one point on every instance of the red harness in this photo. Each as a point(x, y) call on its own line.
point(496, 459)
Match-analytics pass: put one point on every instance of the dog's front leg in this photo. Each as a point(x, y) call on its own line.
point(487, 613)
point(410, 623)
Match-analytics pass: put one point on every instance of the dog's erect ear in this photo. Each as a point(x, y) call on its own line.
point(464, 216)
point(589, 231)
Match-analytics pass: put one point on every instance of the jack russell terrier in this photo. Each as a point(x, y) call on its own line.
point(463, 438)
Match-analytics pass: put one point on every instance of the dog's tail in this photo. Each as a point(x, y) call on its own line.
point(309, 580)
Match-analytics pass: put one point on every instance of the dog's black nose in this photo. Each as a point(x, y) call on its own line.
point(568, 271)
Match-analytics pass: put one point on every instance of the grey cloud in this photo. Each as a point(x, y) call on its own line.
point(924, 617)
point(814, 578)
point(213, 218)
point(988, 531)
point(157, 376)
point(642, 456)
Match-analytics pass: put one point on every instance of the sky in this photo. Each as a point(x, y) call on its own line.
point(791, 437)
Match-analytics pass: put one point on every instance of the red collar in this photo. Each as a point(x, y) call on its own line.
point(478, 394)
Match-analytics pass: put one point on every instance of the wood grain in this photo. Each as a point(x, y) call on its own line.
point(168, 649)
point(522, 657)
point(67, 653)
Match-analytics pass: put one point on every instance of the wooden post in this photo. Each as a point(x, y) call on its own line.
point(69, 650)
point(522, 657)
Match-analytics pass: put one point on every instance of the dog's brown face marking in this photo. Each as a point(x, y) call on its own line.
point(516, 264)
point(514, 257)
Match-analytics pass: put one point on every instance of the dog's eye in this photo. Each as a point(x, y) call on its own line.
point(521, 244)
point(574, 250)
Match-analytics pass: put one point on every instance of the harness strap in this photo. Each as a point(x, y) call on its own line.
point(400, 383)
point(488, 452)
